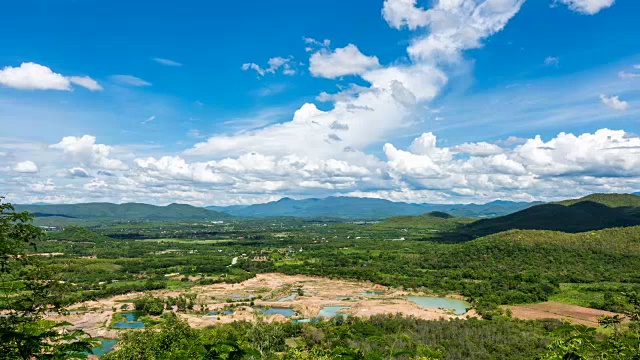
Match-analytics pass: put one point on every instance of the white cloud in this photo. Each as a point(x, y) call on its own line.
point(129, 80)
point(343, 61)
point(459, 25)
point(614, 102)
point(313, 43)
point(26, 167)
point(588, 7)
point(85, 82)
point(401, 13)
point(551, 61)
point(275, 64)
point(166, 62)
point(78, 172)
point(32, 76)
point(149, 119)
point(85, 150)
point(480, 149)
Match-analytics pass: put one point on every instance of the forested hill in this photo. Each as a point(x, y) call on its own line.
point(128, 211)
point(610, 200)
point(598, 211)
point(435, 220)
point(367, 208)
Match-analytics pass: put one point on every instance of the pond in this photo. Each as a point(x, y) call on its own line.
point(302, 321)
point(460, 307)
point(130, 321)
point(106, 345)
point(331, 311)
point(286, 312)
point(220, 312)
point(288, 298)
point(372, 293)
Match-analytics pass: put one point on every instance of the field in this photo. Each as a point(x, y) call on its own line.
point(555, 310)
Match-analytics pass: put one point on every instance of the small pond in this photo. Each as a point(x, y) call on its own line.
point(460, 307)
point(302, 321)
point(220, 312)
point(288, 298)
point(106, 345)
point(331, 311)
point(372, 293)
point(286, 312)
point(130, 321)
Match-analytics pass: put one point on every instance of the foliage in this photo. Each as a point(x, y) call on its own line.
point(28, 291)
point(380, 337)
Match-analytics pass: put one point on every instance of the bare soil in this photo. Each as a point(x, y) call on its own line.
point(555, 310)
point(266, 290)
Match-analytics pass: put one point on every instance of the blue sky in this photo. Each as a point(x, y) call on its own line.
point(196, 103)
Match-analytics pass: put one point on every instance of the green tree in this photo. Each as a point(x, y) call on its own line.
point(28, 291)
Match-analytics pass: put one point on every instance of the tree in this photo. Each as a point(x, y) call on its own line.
point(27, 292)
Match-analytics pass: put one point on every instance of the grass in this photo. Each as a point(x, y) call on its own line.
point(575, 294)
point(589, 295)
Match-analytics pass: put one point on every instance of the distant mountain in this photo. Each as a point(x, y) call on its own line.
point(128, 211)
point(593, 212)
point(366, 208)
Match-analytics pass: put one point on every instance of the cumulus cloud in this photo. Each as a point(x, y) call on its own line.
point(166, 62)
point(26, 167)
point(78, 172)
point(614, 102)
point(32, 76)
point(275, 64)
point(401, 13)
point(340, 62)
point(129, 80)
point(85, 150)
point(588, 7)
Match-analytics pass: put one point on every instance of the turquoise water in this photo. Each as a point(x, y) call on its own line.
point(301, 321)
point(131, 322)
point(460, 307)
point(106, 345)
point(331, 311)
point(286, 312)
point(288, 298)
point(372, 293)
point(221, 312)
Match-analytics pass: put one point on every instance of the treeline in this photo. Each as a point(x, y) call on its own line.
point(379, 337)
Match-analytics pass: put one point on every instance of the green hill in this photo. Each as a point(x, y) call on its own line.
point(127, 211)
point(77, 234)
point(610, 200)
point(594, 212)
point(434, 220)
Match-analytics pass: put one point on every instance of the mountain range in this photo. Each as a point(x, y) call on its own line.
point(366, 208)
point(127, 211)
